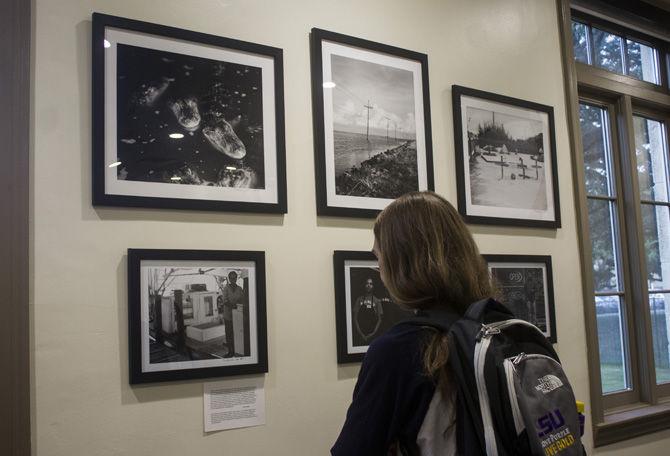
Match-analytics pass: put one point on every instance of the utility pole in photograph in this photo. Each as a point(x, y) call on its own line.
point(367, 133)
point(387, 129)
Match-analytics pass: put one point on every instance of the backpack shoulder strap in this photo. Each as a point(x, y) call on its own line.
point(487, 310)
point(477, 309)
point(462, 330)
point(440, 319)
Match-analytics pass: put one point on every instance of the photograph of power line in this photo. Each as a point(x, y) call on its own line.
point(372, 124)
point(375, 137)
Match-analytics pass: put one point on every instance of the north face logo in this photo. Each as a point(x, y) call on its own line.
point(548, 383)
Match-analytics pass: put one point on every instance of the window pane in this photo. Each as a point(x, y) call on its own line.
point(602, 228)
point(580, 42)
point(595, 141)
point(656, 227)
point(608, 49)
point(642, 61)
point(613, 359)
point(651, 159)
point(659, 305)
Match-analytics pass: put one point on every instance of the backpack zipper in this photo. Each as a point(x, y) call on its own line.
point(481, 348)
point(509, 364)
point(497, 327)
point(535, 355)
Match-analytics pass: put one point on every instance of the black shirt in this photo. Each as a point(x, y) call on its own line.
point(391, 396)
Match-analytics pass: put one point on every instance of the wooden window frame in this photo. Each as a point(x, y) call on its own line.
point(645, 409)
point(661, 47)
point(662, 390)
point(619, 398)
point(15, 79)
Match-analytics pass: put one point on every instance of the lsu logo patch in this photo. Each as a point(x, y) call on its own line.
point(550, 422)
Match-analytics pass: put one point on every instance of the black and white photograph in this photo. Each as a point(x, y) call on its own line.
point(506, 160)
point(186, 124)
point(363, 306)
point(195, 314)
point(371, 121)
point(525, 286)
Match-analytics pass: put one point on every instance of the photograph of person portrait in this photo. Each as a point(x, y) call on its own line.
point(364, 309)
point(506, 160)
point(195, 314)
point(186, 120)
point(371, 122)
point(525, 286)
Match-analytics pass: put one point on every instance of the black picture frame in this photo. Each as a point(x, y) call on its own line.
point(494, 212)
point(422, 141)
point(157, 351)
point(351, 270)
point(517, 289)
point(225, 182)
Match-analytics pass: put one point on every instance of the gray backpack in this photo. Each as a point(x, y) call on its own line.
point(512, 396)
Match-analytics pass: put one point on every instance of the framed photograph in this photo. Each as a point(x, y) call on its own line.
point(186, 120)
point(195, 314)
point(526, 287)
point(364, 309)
point(371, 113)
point(505, 160)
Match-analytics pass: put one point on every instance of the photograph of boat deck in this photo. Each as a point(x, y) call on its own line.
point(198, 313)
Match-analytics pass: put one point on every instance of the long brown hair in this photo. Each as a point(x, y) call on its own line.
point(428, 259)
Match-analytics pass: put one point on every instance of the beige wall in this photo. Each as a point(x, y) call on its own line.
point(83, 404)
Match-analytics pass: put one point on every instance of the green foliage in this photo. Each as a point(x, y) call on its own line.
point(602, 218)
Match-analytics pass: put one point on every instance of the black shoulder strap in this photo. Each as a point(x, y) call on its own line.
point(487, 310)
point(440, 319)
point(476, 310)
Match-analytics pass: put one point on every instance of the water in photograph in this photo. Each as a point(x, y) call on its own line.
point(351, 149)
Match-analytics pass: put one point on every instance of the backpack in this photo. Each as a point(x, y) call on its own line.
point(513, 397)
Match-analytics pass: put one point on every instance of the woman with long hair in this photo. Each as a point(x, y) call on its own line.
point(428, 261)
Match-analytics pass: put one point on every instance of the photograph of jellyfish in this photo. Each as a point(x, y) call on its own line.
point(186, 120)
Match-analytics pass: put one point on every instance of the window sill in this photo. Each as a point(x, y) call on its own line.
point(630, 423)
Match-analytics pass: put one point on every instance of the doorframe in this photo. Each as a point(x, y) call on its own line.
point(15, 79)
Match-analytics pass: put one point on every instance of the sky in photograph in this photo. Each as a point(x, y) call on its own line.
point(517, 127)
point(183, 277)
point(390, 92)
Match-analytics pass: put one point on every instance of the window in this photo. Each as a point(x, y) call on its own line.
point(651, 150)
point(602, 204)
point(619, 118)
point(612, 51)
point(188, 308)
point(614, 194)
